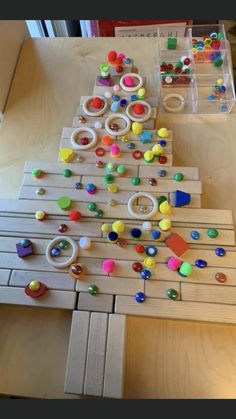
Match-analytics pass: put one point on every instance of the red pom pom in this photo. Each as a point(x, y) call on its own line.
point(75, 215)
point(119, 68)
point(119, 61)
point(138, 108)
point(139, 248)
point(111, 56)
point(97, 102)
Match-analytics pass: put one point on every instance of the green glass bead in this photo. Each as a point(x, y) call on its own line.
point(212, 233)
point(63, 245)
point(178, 177)
point(93, 289)
point(171, 43)
point(161, 199)
point(108, 179)
point(91, 206)
point(135, 180)
point(218, 62)
point(172, 294)
point(98, 213)
point(187, 71)
point(36, 172)
point(164, 63)
point(67, 173)
point(179, 64)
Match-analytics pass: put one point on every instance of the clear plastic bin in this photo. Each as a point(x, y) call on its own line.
point(206, 85)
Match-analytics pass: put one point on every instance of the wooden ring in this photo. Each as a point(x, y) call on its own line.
point(71, 259)
point(133, 88)
point(142, 216)
point(121, 131)
point(175, 96)
point(139, 118)
point(95, 113)
point(77, 146)
point(100, 151)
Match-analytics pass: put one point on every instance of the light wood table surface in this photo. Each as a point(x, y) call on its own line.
point(164, 358)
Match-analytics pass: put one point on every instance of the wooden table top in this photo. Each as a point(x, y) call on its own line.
point(164, 358)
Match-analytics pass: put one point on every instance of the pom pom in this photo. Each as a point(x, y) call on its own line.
point(97, 103)
point(108, 266)
point(111, 56)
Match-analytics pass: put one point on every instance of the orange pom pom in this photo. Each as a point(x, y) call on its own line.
point(107, 140)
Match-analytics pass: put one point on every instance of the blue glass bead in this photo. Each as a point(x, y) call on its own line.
point(223, 108)
point(25, 242)
point(116, 98)
point(200, 263)
point(200, 43)
point(162, 143)
point(91, 188)
point(78, 185)
point(55, 251)
point(133, 98)
point(123, 102)
point(220, 251)
point(127, 60)
point(195, 235)
point(155, 234)
point(161, 173)
point(145, 274)
point(151, 251)
point(211, 98)
point(140, 297)
point(222, 88)
point(135, 233)
point(131, 146)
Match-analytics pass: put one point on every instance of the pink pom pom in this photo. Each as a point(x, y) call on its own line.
point(174, 263)
point(129, 81)
point(108, 266)
point(114, 151)
point(122, 56)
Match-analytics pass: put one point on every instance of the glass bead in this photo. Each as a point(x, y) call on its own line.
point(98, 213)
point(152, 181)
point(137, 267)
point(220, 277)
point(172, 294)
point(67, 173)
point(78, 185)
point(143, 209)
point(91, 206)
point(55, 251)
point(200, 263)
point(62, 228)
point(135, 180)
point(145, 274)
point(63, 245)
point(130, 146)
point(195, 235)
point(140, 297)
point(178, 177)
point(161, 173)
point(93, 289)
point(99, 164)
point(112, 202)
point(220, 251)
point(40, 191)
point(212, 233)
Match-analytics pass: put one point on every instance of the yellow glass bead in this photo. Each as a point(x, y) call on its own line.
point(148, 155)
point(163, 132)
point(137, 128)
point(125, 139)
point(105, 228)
point(113, 188)
point(149, 262)
point(157, 149)
point(165, 208)
point(141, 93)
point(118, 227)
point(220, 82)
point(34, 285)
point(165, 224)
point(40, 215)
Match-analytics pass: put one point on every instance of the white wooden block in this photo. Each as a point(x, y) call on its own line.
point(190, 173)
point(115, 357)
point(153, 100)
point(208, 293)
point(98, 303)
point(111, 285)
point(4, 276)
point(157, 289)
point(52, 299)
point(56, 281)
point(94, 374)
point(75, 368)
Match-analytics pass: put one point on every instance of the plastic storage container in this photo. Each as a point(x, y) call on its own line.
point(195, 70)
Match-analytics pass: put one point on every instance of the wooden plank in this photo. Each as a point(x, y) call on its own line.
point(98, 303)
point(190, 173)
point(170, 309)
point(4, 276)
point(56, 281)
point(208, 293)
point(52, 299)
point(111, 285)
point(157, 289)
point(93, 383)
point(115, 357)
point(75, 367)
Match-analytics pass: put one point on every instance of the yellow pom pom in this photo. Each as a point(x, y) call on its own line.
point(66, 154)
point(141, 93)
point(148, 156)
point(157, 149)
point(220, 82)
point(163, 132)
point(40, 215)
point(34, 285)
point(137, 128)
point(149, 262)
point(113, 188)
point(165, 208)
point(105, 228)
point(165, 224)
point(118, 227)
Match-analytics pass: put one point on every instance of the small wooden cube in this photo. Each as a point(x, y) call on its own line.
point(177, 244)
point(24, 251)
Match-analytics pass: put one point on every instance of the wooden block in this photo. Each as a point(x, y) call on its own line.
point(115, 357)
point(170, 309)
point(4, 276)
point(111, 285)
point(51, 299)
point(157, 289)
point(94, 373)
point(208, 293)
point(99, 302)
point(76, 360)
point(177, 244)
point(56, 281)
point(190, 173)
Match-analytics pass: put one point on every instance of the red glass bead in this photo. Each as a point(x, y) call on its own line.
point(162, 159)
point(119, 69)
point(169, 66)
point(152, 181)
point(163, 68)
point(137, 154)
point(137, 266)
point(99, 164)
point(84, 140)
point(62, 228)
point(220, 277)
point(177, 70)
point(187, 61)
point(139, 248)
